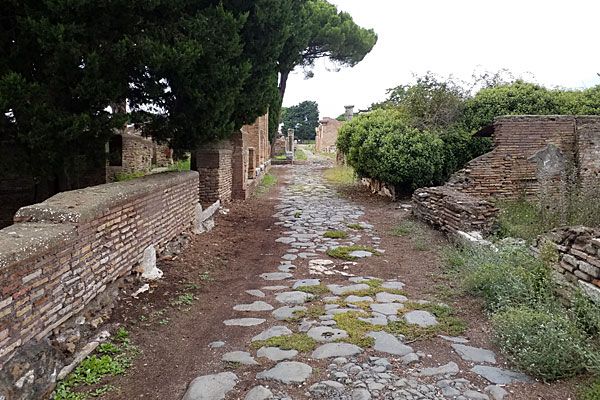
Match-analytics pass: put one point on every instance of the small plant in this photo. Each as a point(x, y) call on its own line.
point(157, 314)
point(343, 252)
point(143, 318)
point(104, 389)
point(542, 343)
point(404, 228)
point(121, 336)
point(297, 214)
point(107, 348)
point(420, 243)
point(269, 179)
point(336, 234)
point(297, 341)
point(164, 321)
point(186, 298)
point(356, 329)
point(190, 286)
point(232, 365)
point(313, 311)
point(317, 289)
point(205, 277)
point(356, 226)
point(591, 391)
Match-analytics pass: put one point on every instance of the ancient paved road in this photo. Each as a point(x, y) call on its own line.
point(307, 283)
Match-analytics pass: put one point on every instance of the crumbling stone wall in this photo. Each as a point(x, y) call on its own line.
point(579, 256)
point(214, 164)
point(136, 154)
point(62, 253)
point(533, 157)
point(326, 134)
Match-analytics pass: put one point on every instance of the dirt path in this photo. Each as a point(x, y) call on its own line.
point(383, 354)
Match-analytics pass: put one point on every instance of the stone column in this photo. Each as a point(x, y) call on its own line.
point(349, 113)
point(213, 163)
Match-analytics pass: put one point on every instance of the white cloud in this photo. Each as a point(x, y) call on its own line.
point(556, 41)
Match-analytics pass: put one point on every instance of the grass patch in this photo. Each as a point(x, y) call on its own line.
point(115, 357)
point(356, 328)
point(313, 311)
point(316, 290)
point(420, 243)
point(447, 325)
point(355, 226)
point(374, 288)
point(534, 330)
point(591, 391)
point(343, 252)
point(266, 184)
point(336, 234)
point(297, 341)
point(340, 174)
point(181, 165)
point(299, 155)
point(404, 228)
point(280, 157)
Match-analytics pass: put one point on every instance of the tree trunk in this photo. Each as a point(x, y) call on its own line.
point(283, 84)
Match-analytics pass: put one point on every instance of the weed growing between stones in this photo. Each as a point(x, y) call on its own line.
point(316, 290)
point(115, 358)
point(357, 329)
point(313, 311)
point(534, 330)
point(336, 234)
point(343, 252)
point(297, 214)
point(355, 226)
point(268, 181)
point(374, 288)
point(404, 228)
point(297, 341)
point(232, 365)
point(447, 324)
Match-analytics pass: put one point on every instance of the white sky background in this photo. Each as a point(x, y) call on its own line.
point(556, 41)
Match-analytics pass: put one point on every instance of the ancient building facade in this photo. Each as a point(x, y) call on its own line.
point(533, 156)
point(326, 134)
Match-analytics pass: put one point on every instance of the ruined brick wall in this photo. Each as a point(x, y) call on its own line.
point(62, 253)
point(326, 134)
point(163, 155)
point(258, 138)
point(579, 255)
point(239, 165)
point(279, 146)
point(214, 164)
point(453, 211)
point(510, 170)
point(588, 152)
point(137, 154)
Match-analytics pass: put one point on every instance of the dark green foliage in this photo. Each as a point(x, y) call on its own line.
point(302, 118)
point(381, 145)
point(541, 343)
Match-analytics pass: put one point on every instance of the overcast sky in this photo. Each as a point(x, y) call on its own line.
point(555, 41)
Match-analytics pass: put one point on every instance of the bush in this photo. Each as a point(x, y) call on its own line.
point(381, 145)
point(509, 278)
point(541, 343)
point(586, 313)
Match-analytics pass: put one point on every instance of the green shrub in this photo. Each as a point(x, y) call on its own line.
point(541, 343)
point(586, 313)
point(510, 277)
point(591, 391)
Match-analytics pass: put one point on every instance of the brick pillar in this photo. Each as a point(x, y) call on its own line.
point(251, 162)
point(214, 166)
point(239, 165)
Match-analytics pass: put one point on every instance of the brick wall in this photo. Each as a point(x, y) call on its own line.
point(239, 165)
point(579, 254)
point(137, 153)
point(62, 253)
point(326, 134)
point(216, 174)
point(508, 171)
point(258, 138)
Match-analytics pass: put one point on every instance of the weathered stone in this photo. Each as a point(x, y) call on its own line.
point(255, 293)
point(255, 307)
point(496, 392)
point(385, 297)
point(474, 354)
point(214, 345)
point(419, 317)
point(289, 257)
point(287, 372)
point(454, 339)
point(326, 334)
point(272, 332)
point(293, 297)
point(241, 357)
point(339, 289)
point(361, 394)
point(360, 254)
point(306, 282)
point(387, 308)
point(276, 354)
point(387, 343)
point(244, 321)
point(473, 395)
point(275, 288)
point(448, 369)
point(393, 285)
point(325, 388)
point(211, 387)
point(286, 312)
point(259, 393)
point(376, 319)
point(275, 276)
point(149, 268)
point(330, 350)
point(499, 376)
point(410, 358)
point(358, 299)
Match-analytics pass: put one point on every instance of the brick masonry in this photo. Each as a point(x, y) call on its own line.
point(62, 253)
point(214, 165)
point(326, 134)
point(533, 157)
point(579, 253)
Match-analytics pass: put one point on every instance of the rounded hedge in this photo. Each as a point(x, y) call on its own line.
point(381, 145)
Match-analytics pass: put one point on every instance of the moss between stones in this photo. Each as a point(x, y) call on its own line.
point(336, 234)
point(448, 325)
point(374, 288)
point(356, 328)
point(313, 311)
point(355, 226)
point(297, 341)
point(344, 251)
point(317, 290)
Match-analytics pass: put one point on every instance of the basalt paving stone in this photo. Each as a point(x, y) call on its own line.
point(294, 297)
point(241, 357)
point(272, 332)
point(211, 387)
point(255, 293)
point(244, 321)
point(388, 343)
point(421, 318)
point(275, 276)
point(287, 372)
point(326, 334)
point(339, 289)
point(286, 312)
point(276, 354)
point(499, 376)
point(254, 307)
point(306, 282)
point(331, 350)
point(474, 354)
